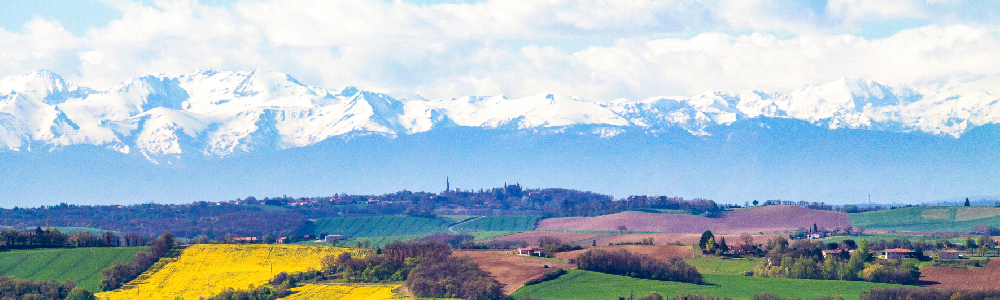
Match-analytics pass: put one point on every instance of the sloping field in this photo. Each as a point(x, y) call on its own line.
point(81, 265)
point(586, 285)
point(683, 238)
point(498, 223)
point(766, 219)
point(927, 218)
point(655, 251)
point(952, 278)
point(379, 226)
point(532, 236)
point(345, 292)
point(205, 270)
point(511, 270)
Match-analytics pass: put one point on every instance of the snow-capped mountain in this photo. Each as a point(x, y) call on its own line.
point(213, 113)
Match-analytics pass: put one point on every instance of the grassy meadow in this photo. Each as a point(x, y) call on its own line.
point(927, 218)
point(585, 285)
point(498, 223)
point(81, 265)
point(380, 226)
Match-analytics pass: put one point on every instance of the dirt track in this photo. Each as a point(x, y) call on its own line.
point(511, 270)
point(768, 219)
point(952, 278)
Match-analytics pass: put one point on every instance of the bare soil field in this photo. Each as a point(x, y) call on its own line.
point(511, 270)
point(683, 238)
point(532, 236)
point(972, 213)
point(952, 278)
point(655, 251)
point(767, 219)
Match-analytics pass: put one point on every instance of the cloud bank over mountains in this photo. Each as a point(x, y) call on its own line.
point(219, 113)
point(598, 50)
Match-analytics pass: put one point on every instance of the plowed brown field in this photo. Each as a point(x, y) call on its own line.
point(952, 278)
point(656, 251)
point(511, 270)
point(683, 238)
point(767, 219)
point(532, 236)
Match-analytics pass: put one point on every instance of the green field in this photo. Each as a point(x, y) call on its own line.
point(579, 284)
point(485, 235)
point(81, 265)
point(379, 226)
point(498, 223)
point(927, 218)
point(722, 266)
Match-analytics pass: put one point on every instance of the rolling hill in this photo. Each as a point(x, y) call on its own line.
point(81, 265)
point(766, 219)
point(928, 218)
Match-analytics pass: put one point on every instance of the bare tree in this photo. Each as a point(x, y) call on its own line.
point(622, 228)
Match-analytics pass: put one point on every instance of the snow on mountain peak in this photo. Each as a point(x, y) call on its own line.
point(219, 113)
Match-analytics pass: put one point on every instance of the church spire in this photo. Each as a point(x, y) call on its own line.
point(447, 184)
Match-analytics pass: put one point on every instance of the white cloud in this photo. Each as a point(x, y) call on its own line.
point(449, 50)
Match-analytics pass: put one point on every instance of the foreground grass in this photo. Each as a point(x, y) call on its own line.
point(579, 284)
point(81, 265)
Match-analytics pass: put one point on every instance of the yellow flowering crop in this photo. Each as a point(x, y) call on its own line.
point(343, 292)
point(205, 270)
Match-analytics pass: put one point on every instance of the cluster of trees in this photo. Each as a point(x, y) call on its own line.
point(928, 294)
point(494, 244)
point(985, 229)
point(553, 245)
point(623, 262)
point(15, 288)
point(427, 267)
point(709, 245)
point(278, 287)
point(805, 260)
point(119, 274)
point(456, 241)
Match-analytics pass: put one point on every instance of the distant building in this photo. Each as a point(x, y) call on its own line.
point(530, 251)
point(897, 253)
point(333, 237)
point(831, 252)
point(282, 240)
point(245, 239)
point(949, 254)
point(817, 235)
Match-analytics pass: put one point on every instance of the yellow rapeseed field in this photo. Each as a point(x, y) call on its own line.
point(205, 270)
point(344, 292)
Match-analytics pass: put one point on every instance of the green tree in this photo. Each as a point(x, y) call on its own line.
point(79, 293)
point(705, 236)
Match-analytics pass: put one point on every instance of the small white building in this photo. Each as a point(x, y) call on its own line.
point(530, 251)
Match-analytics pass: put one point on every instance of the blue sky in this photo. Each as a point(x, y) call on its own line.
point(601, 50)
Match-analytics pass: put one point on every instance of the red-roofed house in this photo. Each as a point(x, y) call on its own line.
point(898, 253)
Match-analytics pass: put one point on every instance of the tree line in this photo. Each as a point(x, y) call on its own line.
point(623, 262)
point(805, 260)
point(16, 288)
point(119, 274)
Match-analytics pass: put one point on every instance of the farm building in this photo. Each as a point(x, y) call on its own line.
point(245, 239)
point(831, 252)
point(333, 237)
point(817, 235)
point(897, 253)
point(282, 240)
point(949, 254)
point(530, 251)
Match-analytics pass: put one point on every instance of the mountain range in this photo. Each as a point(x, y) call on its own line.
point(210, 136)
point(219, 113)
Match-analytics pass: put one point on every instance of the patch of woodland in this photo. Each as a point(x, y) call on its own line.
point(118, 274)
point(623, 262)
